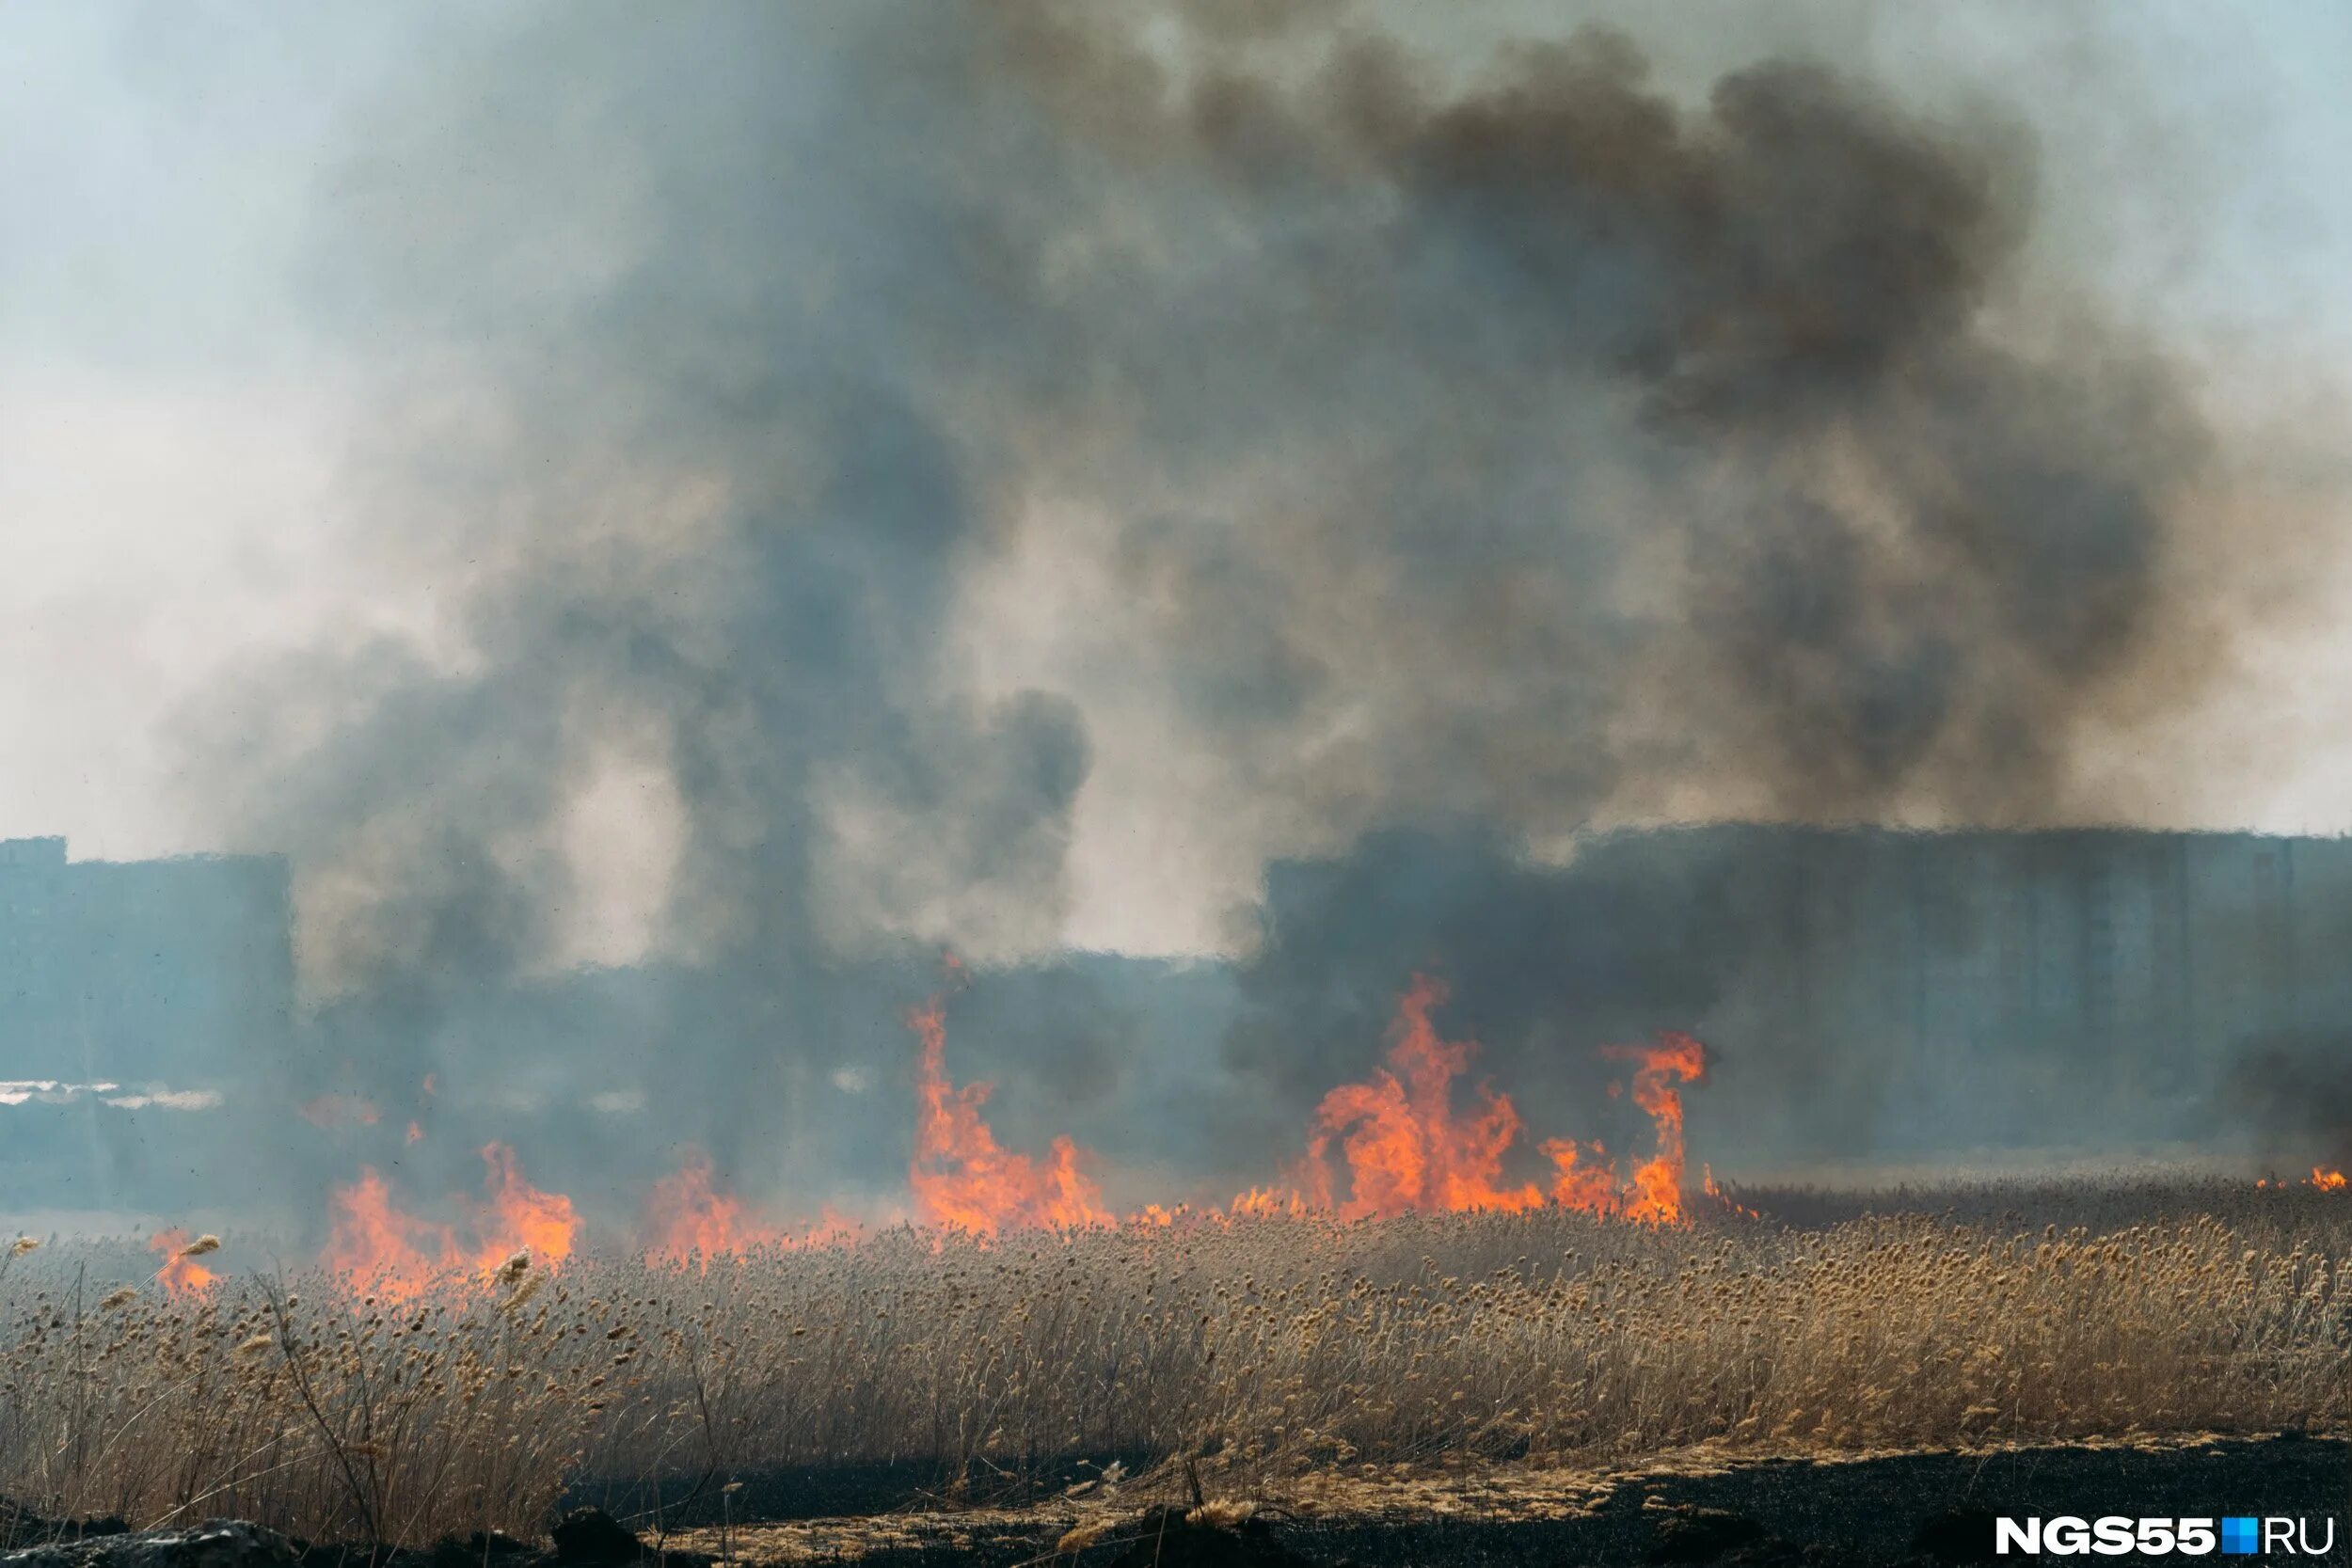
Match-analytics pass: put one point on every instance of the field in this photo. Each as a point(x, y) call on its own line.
point(1268, 1360)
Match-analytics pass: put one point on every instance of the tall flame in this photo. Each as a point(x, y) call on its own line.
point(1405, 1148)
point(959, 1174)
point(519, 1217)
point(1656, 1198)
point(180, 1274)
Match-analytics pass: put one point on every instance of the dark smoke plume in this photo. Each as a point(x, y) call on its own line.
point(1513, 452)
point(2290, 1095)
point(1481, 456)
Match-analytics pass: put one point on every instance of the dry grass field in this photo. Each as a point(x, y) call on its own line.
point(1252, 1349)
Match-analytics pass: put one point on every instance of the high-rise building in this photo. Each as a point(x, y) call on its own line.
point(171, 972)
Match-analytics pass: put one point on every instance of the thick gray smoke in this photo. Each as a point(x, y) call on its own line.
point(1486, 451)
point(1518, 451)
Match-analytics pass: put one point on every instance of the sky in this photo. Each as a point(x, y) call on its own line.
point(184, 406)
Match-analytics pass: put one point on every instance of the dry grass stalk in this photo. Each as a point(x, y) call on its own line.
point(1241, 1352)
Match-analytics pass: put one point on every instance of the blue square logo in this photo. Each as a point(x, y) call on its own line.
point(2241, 1537)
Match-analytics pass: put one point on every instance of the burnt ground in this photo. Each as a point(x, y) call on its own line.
point(1697, 1507)
point(1893, 1508)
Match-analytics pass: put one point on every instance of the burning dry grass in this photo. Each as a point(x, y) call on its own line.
point(1259, 1348)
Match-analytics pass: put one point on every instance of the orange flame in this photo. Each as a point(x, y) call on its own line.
point(1268, 1203)
point(1707, 1185)
point(1406, 1149)
point(182, 1274)
point(378, 1247)
point(1592, 1188)
point(519, 1217)
point(962, 1179)
point(692, 1223)
point(691, 1220)
point(2327, 1180)
point(1656, 1194)
point(1403, 1145)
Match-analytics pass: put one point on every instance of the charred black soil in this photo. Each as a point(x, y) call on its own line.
point(1897, 1509)
point(1903, 1509)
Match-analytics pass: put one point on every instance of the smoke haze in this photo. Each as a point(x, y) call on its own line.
point(844, 482)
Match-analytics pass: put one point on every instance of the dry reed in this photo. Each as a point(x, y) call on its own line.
point(1247, 1348)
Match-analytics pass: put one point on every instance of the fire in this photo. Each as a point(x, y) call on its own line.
point(1707, 1185)
point(1260, 1203)
point(1656, 1194)
point(1391, 1145)
point(180, 1274)
point(520, 1218)
point(377, 1247)
point(962, 1179)
point(1577, 1184)
point(1406, 1149)
point(689, 1219)
point(2327, 1181)
point(691, 1222)
point(1404, 1146)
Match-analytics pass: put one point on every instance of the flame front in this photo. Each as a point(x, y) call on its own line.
point(1391, 1145)
point(180, 1274)
point(962, 1179)
point(1406, 1149)
point(2327, 1180)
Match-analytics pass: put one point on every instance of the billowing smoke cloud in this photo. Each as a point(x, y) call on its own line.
point(1492, 453)
point(1540, 447)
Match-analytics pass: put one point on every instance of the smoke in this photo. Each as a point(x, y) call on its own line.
point(2290, 1093)
point(1543, 448)
point(1482, 453)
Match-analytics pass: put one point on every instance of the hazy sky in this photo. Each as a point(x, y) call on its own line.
point(174, 430)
